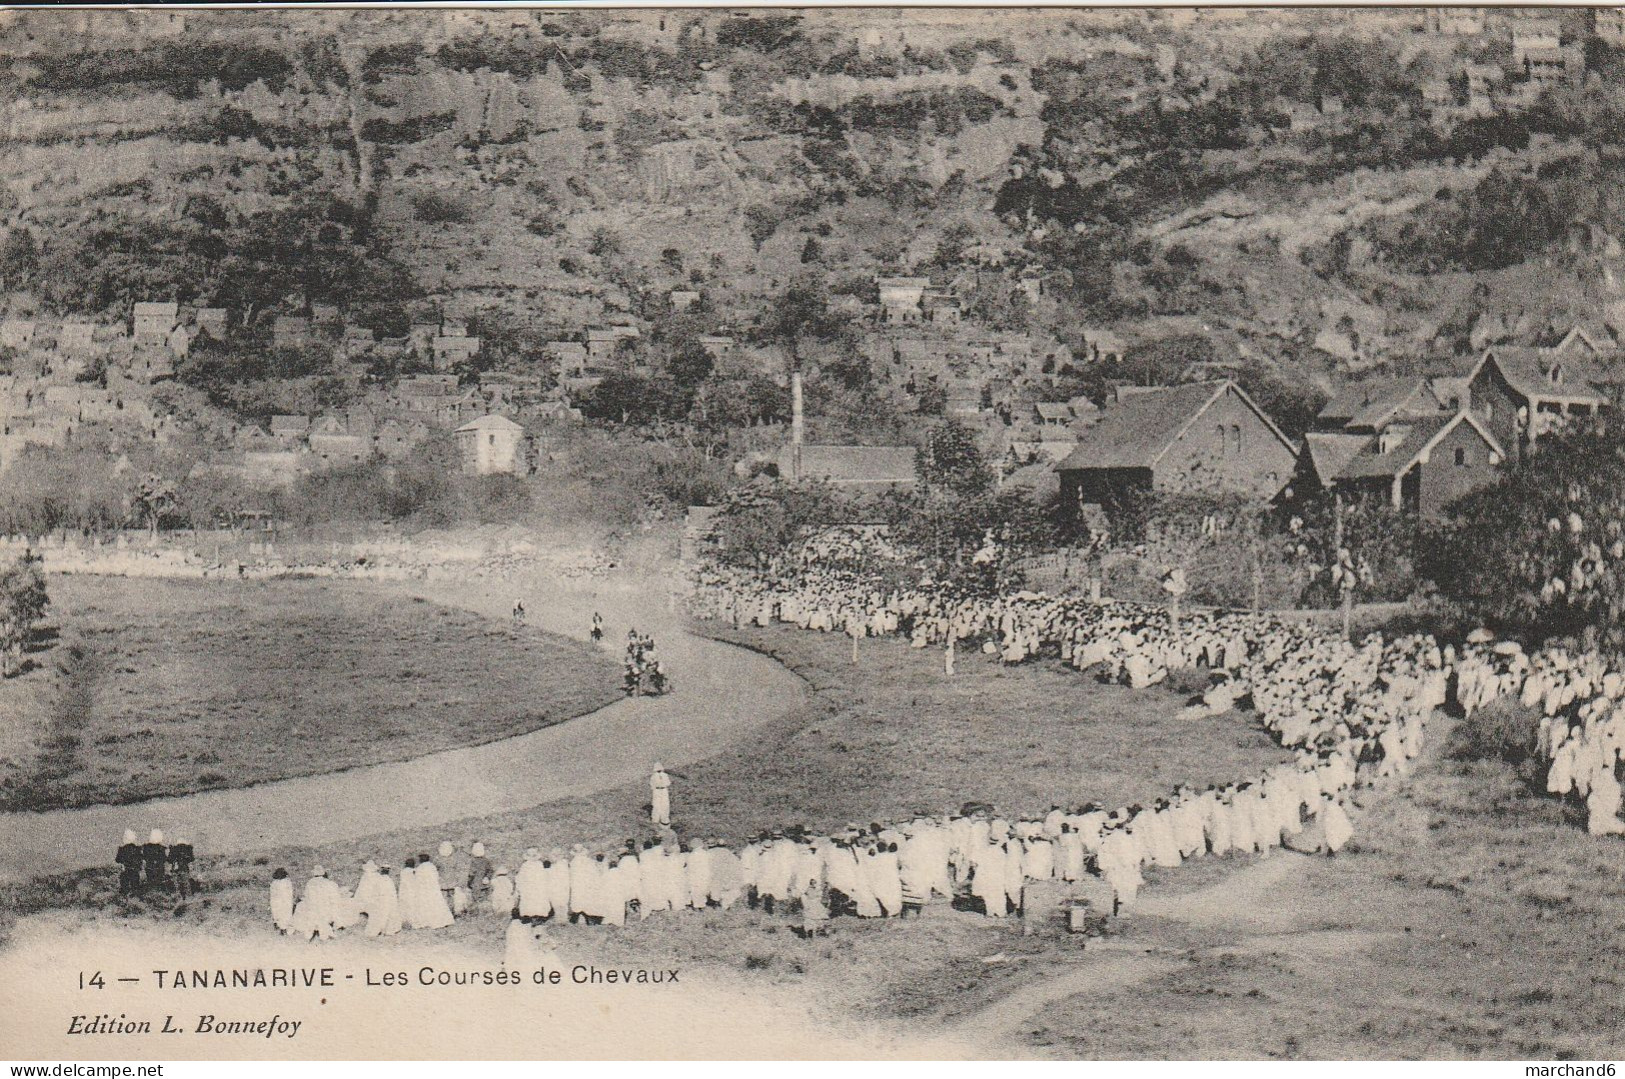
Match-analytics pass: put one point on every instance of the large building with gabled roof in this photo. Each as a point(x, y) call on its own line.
point(1419, 463)
point(1197, 438)
point(1521, 393)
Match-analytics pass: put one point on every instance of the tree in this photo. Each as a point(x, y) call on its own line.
point(761, 222)
point(801, 321)
point(623, 397)
point(68, 488)
point(951, 462)
point(19, 258)
point(757, 526)
point(152, 501)
point(1542, 552)
point(23, 601)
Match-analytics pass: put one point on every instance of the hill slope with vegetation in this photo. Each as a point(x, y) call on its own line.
point(1254, 186)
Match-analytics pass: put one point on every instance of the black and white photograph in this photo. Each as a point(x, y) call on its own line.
point(773, 533)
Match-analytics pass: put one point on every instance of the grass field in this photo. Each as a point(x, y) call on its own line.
point(876, 742)
point(1470, 917)
point(159, 687)
point(1473, 917)
point(893, 737)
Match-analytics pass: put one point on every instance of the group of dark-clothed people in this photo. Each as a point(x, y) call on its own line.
point(152, 867)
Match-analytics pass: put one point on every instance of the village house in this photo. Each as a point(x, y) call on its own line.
point(1199, 438)
point(326, 318)
point(1545, 67)
point(1483, 81)
point(556, 412)
point(1052, 416)
point(17, 333)
point(290, 331)
point(1521, 393)
point(1438, 94)
point(1590, 343)
point(419, 336)
point(334, 445)
point(682, 299)
point(289, 430)
point(941, 309)
point(603, 347)
point(493, 445)
point(1532, 34)
point(357, 341)
point(569, 358)
point(77, 339)
point(1101, 346)
point(1419, 464)
point(1365, 407)
point(1609, 24)
point(151, 323)
point(861, 467)
point(1410, 441)
point(717, 346)
point(449, 351)
point(1040, 431)
point(901, 297)
point(252, 438)
point(1455, 21)
point(427, 385)
point(211, 320)
point(274, 468)
point(395, 440)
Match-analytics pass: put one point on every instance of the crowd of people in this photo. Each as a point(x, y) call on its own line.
point(1581, 733)
point(974, 859)
point(1354, 713)
point(644, 672)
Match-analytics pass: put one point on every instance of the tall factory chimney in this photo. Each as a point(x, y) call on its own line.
point(798, 426)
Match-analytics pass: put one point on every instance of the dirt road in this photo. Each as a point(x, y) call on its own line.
point(720, 693)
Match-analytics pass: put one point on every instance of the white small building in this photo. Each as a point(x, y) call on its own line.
point(902, 297)
point(491, 445)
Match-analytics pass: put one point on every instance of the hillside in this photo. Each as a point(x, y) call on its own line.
point(1270, 183)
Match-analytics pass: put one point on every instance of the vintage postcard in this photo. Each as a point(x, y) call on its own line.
point(548, 533)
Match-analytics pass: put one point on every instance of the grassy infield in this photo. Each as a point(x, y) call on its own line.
point(166, 687)
point(1470, 918)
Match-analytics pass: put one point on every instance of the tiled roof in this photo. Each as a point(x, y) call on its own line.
point(1141, 427)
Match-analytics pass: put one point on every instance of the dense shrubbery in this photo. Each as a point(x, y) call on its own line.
point(433, 208)
point(63, 490)
point(1505, 219)
point(319, 249)
point(177, 67)
point(412, 129)
point(23, 600)
point(1542, 552)
point(951, 526)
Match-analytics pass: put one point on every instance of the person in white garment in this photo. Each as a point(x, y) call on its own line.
point(583, 905)
point(407, 893)
point(519, 948)
point(1335, 822)
point(556, 875)
point(436, 912)
point(318, 908)
point(281, 900)
point(376, 898)
point(502, 898)
point(452, 865)
point(535, 896)
point(660, 797)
